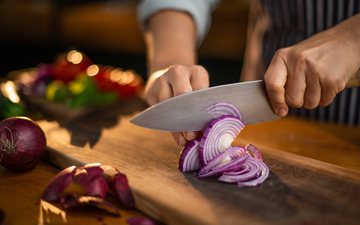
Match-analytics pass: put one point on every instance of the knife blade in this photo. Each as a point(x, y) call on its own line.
point(187, 112)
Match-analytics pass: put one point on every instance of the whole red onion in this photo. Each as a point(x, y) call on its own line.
point(22, 143)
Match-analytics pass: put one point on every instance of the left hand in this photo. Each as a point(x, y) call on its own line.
point(314, 71)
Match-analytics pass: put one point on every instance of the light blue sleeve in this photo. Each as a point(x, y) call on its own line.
point(200, 10)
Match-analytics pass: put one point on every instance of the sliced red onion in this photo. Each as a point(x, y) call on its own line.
point(243, 166)
point(223, 108)
point(262, 175)
point(218, 136)
point(122, 191)
point(251, 173)
point(95, 179)
point(119, 186)
point(58, 184)
point(90, 178)
point(253, 151)
point(189, 156)
point(230, 160)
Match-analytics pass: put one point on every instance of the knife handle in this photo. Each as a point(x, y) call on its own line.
point(354, 81)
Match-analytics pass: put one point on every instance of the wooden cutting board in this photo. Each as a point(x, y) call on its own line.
point(299, 190)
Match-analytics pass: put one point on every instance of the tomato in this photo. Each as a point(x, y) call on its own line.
point(68, 65)
point(125, 83)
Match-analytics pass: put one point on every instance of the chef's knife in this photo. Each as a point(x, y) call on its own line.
point(188, 112)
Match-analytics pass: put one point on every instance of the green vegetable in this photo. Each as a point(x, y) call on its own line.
point(89, 94)
point(56, 91)
point(10, 109)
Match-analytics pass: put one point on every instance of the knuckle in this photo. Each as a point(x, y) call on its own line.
point(176, 69)
point(272, 85)
point(294, 101)
point(280, 54)
point(199, 70)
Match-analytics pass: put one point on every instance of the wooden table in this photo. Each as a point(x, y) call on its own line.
point(337, 145)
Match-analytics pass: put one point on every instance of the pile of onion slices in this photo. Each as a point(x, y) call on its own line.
point(90, 185)
point(92, 181)
point(212, 155)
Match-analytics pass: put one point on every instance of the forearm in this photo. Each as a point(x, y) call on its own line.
point(170, 39)
point(350, 29)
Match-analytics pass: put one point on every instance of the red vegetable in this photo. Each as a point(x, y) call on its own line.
point(125, 83)
point(70, 64)
point(218, 136)
point(22, 143)
point(189, 156)
point(58, 184)
point(95, 179)
point(229, 160)
point(217, 157)
point(223, 108)
point(252, 173)
point(119, 186)
point(90, 177)
point(253, 151)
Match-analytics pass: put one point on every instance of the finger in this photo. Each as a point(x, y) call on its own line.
point(312, 91)
point(191, 135)
point(296, 83)
point(165, 91)
point(329, 90)
point(327, 95)
point(199, 78)
point(179, 138)
point(179, 80)
point(152, 97)
point(275, 80)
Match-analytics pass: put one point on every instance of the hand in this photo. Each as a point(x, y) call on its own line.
point(174, 81)
point(313, 72)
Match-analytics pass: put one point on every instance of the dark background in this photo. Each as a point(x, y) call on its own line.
point(36, 31)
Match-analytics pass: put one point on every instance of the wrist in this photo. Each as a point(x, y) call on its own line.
point(170, 40)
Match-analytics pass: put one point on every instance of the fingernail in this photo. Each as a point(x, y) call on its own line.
point(190, 135)
point(282, 112)
point(181, 141)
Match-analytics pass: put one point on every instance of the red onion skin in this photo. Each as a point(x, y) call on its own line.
point(58, 184)
point(22, 143)
point(191, 147)
point(90, 178)
point(122, 191)
point(119, 186)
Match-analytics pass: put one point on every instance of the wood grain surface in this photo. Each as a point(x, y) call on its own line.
point(299, 190)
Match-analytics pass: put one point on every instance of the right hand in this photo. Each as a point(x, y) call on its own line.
point(174, 81)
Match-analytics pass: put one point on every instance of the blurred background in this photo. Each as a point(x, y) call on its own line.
point(35, 31)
